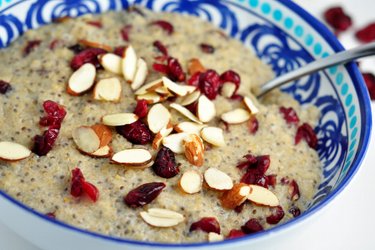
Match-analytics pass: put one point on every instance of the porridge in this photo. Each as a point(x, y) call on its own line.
point(137, 125)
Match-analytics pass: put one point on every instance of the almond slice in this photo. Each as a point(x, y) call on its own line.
point(191, 182)
point(189, 88)
point(103, 152)
point(108, 90)
point(111, 63)
point(151, 98)
point(11, 151)
point(217, 179)
point(104, 133)
point(213, 135)
point(91, 44)
point(194, 66)
point(163, 91)
point(86, 139)
point(119, 119)
point(236, 196)
point(236, 116)
point(135, 157)
point(175, 142)
point(140, 75)
point(158, 117)
point(214, 237)
point(194, 149)
point(174, 87)
point(82, 79)
point(228, 89)
point(160, 136)
point(250, 105)
point(262, 196)
point(158, 217)
point(184, 111)
point(149, 87)
point(189, 127)
point(129, 64)
point(190, 98)
point(206, 110)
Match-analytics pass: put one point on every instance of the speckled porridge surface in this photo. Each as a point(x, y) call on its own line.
point(43, 183)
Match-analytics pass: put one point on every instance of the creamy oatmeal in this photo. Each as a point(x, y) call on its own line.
point(38, 67)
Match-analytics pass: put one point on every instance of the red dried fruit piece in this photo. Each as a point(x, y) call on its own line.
point(253, 125)
point(143, 194)
point(337, 18)
point(290, 115)
point(293, 190)
point(209, 83)
point(236, 97)
point(276, 216)
point(252, 226)
point(295, 211)
point(193, 107)
point(271, 180)
point(167, 26)
point(207, 48)
point(30, 46)
point(91, 191)
point(55, 114)
point(76, 48)
point(366, 34)
point(370, 83)
point(160, 68)
point(51, 215)
point(4, 87)
point(206, 224)
point(239, 208)
point(175, 71)
point(119, 51)
point(125, 32)
point(160, 46)
point(97, 24)
point(76, 188)
point(44, 143)
point(235, 233)
point(89, 55)
point(54, 44)
point(136, 132)
point(165, 163)
point(232, 77)
point(256, 167)
point(305, 131)
point(251, 161)
point(194, 79)
point(141, 109)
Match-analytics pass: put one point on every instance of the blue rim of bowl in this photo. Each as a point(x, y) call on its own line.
point(365, 107)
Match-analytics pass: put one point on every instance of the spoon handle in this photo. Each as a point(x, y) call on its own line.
point(338, 58)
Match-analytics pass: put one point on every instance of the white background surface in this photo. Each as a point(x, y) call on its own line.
point(349, 222)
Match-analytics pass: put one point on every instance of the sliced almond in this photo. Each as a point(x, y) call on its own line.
point(184, 111)
point(132, 157)
point(250, 105)
point(190, 98)
point(206, 110)
point(262, 196)
point(158, 217)
point(194, 66)
point(151, 98)
point(11, 151)
point(194, 149)
point(213, 135)
point(214, 237)
point(158, 117)
point(228, 89)
point(140, 75)
point(103, 152)
point(82, 79)
point(119, 119)
point(108, 89)
point(163, 91)
point(175, 142)
point(104, 133)
point(236, 196)
point(149, 87)
point(236, 116)
point(189, 88)
point(111, 62)
point(86, 139)
point(191, 182)
point(174, 87)
point(160, 136)
point(189, 127)
point(91, 44)
point(129, 64)
point(217, 179)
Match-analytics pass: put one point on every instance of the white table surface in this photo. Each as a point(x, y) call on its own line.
point(348, 223)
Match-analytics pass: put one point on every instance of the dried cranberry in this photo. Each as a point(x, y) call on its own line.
point(284, 181)
point(160, 46)
point(256, 167)
point(160, 68)
point(194, 79)
point(236, 97)
point(253, 125)
point(4, 87)
point(232, 77)
point(172, 69)
point(193, 107)
point(239, 208)
point(89, 55)
point(91, 191)
point(206, 224)
point(294, 193)
point(165, 163)
point(125, 32)
point(251, 161)
point(366, 34)
point(54, 44)
point(252, 226)
point(76, 188)
point(235, 233)
point(30, 46)
point(209, 83)
point(76, 48)
point(305, 131)
point(337, 18)
point(276, 215)
point(51, 215)
point(369, 80)
point(55, 114)
point(167, 26)
point(290, 115)
point(96, 24)
point(271, 180)
point(44, 143)
point(119, 51)
point(143, 194)
point(136, 132)
point(207, 48)
point(295, 211)
point(141, 109)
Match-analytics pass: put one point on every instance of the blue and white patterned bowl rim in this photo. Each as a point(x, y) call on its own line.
point(284, 36)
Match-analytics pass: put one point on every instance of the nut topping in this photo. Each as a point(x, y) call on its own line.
point(217, 179)
point(86, 139)
point(82, 79)
point(158, 118)
point(111, 62)
point(262, 196)
point(194, 149)
point(213, 135)
point(158, 217)
point(11, 151)
point(236, 196)
point(132, 157)
point(108, 89)
point(236, 116)
point(119, 119)
point(191, 182)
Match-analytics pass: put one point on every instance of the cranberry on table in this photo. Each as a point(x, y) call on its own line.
point(370, 83)
point(337, 18)
point(366, 34)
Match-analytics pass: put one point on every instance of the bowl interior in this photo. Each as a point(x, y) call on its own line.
point(283, 36)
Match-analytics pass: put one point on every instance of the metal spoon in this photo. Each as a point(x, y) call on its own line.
point(338, 58)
